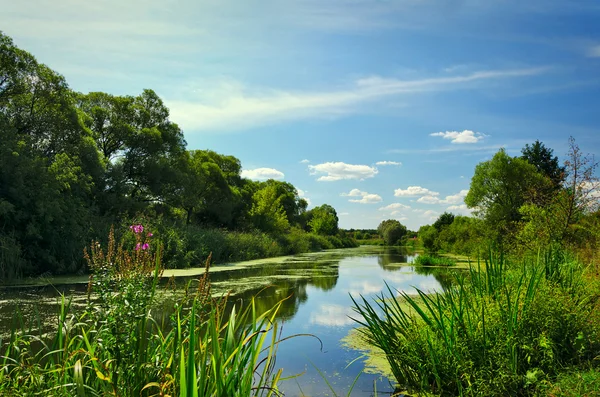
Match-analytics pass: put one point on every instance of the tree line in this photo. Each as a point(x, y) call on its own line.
point(73, 164)
point(526, 203)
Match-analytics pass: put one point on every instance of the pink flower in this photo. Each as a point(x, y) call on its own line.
point(149, 234)
point(137, 228)
point(138, 246)
point(145, 246)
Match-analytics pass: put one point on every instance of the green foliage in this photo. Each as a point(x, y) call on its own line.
point(544, 161)
point(72, 165)
point(323, 220)
point(498, 332)
point(428, 236)
point(392, 231)
point(443, 221)
point(500, 187)
point(431, 260)
point(267, 210)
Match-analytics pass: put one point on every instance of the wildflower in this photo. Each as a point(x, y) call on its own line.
point(149, 234)
point(138, 246)
point(145, 246)
point(137, 228)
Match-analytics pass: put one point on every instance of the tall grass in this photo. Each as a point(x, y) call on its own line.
point(117, 347)
point(500, 332)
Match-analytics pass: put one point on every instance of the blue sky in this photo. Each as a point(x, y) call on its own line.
point(379, 108)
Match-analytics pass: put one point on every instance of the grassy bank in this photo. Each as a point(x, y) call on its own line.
point(518, 329)
point(191, 246)
point(116, 346)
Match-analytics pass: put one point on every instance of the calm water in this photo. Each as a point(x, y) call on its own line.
point(319, 286)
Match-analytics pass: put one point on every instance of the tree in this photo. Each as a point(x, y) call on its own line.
point(500, 187)
point(429, 237)
point(443, 221)
point(323, 220)
point(545, 162)
point(267, 211)
point(391, 231)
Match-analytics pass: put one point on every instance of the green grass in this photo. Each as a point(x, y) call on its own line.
point(506, 331)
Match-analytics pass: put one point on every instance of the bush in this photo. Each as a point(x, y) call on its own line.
point(430, 260)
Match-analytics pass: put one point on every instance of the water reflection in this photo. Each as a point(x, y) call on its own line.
point(315, 289)
point(392, 256)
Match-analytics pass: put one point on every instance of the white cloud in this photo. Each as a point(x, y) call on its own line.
point(365, 198)
point(430, 214)
point(414, 191)
point(302, 194)
point(332, 315)
point(456, 198)
point(336, 171)
point(466, 136)
point(368, 199)
point(344, 213)
point(262, 174)
point(388, 163)
point(305, 161)
point(460, 209)
point(354, 193)
point(394, 206)
point(235, 106)
point(429, 200)
point(452, 199)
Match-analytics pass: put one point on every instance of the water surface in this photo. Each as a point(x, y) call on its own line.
point(317, 286)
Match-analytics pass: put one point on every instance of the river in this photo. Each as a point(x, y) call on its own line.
point(319, 286)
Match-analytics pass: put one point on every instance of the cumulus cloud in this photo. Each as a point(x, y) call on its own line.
point(414, 191)
point(388, 163)
point(460, 209)
point(452, 199)
point(305, 161)
point(466, 136)
point(262, 174)
point(302, 194)
point(365, 198)
point(332, 315)
point(336, 171)
point(394, 206)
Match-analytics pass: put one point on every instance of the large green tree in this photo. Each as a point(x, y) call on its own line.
point(391, 231)
point(500, 187)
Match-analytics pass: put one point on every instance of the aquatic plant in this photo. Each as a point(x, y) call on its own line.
point(432, 260)
point(503, 331)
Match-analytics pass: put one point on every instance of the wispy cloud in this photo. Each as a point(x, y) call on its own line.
point(305, 161)
point(388, 163)
point(448, 149)
point(466, 136)
point(336, 171)
point(262, 174)
point(235, 106)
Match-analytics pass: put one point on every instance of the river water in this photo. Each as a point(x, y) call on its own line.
point(319, 286)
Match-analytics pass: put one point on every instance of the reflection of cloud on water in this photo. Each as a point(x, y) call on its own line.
point(333, 315)
point(399, 278)
point(364, 288)
point(429, 285)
